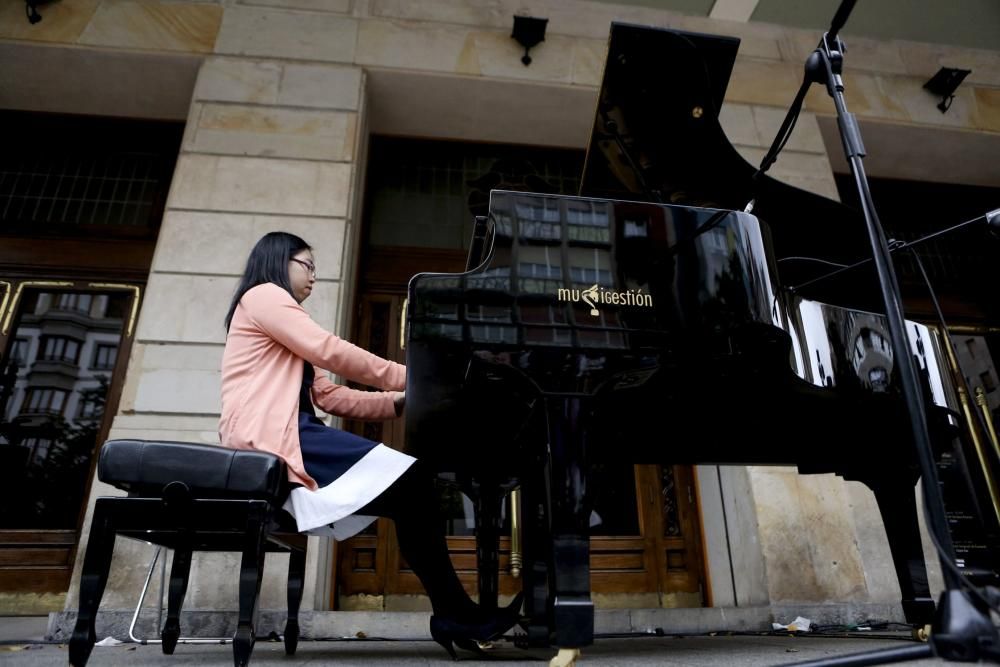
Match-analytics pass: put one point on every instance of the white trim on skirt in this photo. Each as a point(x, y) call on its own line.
point(329, 510)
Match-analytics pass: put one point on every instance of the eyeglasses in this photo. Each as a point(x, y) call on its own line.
point(309, 266)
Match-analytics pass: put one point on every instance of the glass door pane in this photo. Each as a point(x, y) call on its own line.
point(60, 348)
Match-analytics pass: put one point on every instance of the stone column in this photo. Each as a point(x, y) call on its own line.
point(271, 144)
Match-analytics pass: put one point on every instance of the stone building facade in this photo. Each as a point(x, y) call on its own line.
point(279, 99)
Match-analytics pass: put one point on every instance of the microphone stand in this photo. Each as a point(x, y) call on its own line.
point(961, 630)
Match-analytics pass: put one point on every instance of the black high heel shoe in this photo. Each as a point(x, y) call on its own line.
point(466, 634)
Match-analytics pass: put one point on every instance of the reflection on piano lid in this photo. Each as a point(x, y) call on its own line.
point(656, 137)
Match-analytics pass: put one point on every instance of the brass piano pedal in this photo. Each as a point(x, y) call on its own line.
point(566, 657)
point(486, 646)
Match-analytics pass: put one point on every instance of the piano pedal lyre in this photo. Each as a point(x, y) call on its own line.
point(566, 657)
point(516, 558)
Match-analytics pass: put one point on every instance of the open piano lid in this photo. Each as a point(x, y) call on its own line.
point(656, 137)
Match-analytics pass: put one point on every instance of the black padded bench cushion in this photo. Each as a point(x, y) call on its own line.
point(144, 467)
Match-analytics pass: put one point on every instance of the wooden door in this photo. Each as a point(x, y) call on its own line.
point(63, 348)
point(645, 541)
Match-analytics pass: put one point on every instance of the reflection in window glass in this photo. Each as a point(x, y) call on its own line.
point(44, 400)
point(19, 351)
point(74, 301)
point(53, 397)
point(105, 356)
point(60, 348)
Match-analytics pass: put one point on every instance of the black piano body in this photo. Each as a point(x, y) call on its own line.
point(605, 329)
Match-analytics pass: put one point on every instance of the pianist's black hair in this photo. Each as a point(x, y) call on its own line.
point(268, 263)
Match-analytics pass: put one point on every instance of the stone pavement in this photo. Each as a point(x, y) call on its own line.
point(691, 651)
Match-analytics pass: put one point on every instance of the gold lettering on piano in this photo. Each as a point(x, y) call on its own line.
point(595, 294)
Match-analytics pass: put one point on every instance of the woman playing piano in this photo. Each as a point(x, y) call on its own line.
point(274, 370)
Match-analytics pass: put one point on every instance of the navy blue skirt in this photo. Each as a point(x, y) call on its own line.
point(350, 471)
point(328, 453)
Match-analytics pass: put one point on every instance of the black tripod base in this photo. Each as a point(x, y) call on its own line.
point(962, 633)
point(880, 657)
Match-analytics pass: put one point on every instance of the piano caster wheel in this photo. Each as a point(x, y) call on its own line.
point(566, 657)
point(922, 634)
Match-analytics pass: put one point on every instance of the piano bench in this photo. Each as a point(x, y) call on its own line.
point(191, 497)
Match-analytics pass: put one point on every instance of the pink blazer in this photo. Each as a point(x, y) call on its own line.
point(269, 337)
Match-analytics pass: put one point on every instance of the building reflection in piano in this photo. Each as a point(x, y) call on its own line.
point(850, 350)
point(583, 274)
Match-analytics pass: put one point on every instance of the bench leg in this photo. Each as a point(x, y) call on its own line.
point(179, 575)
point(251, 574)
point(93, 579)
point(296, 582)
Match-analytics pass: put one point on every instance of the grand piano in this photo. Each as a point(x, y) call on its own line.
point(596, 328)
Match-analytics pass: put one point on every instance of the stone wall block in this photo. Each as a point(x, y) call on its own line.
point(63, 21)
point(330, 6)
point(411, 45)
point(986, 115)
point(807, 171)
point(272, 132)
point(258, 31)
point(184, 308)
point(924, 60)
point(180, 390)
point(320, 86)
point(576, 19)
point(833, 540)
point(189, 241)
point(238, 80)
point(784, 536)
point(808, 537)
point(880, 575)
point(256, 185)
point(763, 82)
point(191, 308)
point(863, 54)
point(738, 123)
point(177, 423)
point(805, 137)
point(864, 94)
point(920, 105)
point(167, 26)
point(499, 56)
point(757, 40)
point(589, 57)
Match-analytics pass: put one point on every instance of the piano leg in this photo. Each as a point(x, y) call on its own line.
point(488, 496)
point(572, 608)
point(537, 565)
point(897, 504)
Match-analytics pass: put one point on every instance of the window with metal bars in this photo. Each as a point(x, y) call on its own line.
point(71, 189)
point(73, 175)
